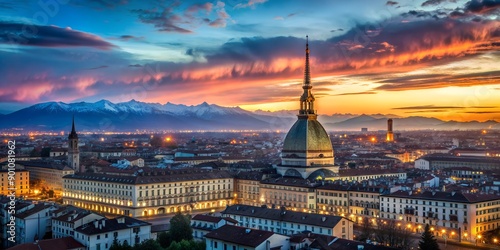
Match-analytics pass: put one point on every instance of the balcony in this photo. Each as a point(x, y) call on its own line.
point(453, 217)
point(409, 211)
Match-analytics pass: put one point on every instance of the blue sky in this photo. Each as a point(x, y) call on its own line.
point(367, 56)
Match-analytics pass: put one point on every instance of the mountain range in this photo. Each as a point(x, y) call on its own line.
point(133, 115)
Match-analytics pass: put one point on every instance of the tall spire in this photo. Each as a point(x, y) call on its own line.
point(73, 133)
point(307, 70)
point(73, 126)
point(307, 99)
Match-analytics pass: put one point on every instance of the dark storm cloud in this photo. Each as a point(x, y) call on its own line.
point(99, 67)
point(130, 37)
point(439, 81)
point(48, 36)
point(482, 6)
point(481, 112)
point(163, 19)
point(427, 111)
point(359, 93)
point(435, 2)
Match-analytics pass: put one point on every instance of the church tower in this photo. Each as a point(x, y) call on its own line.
point(307, 149)
point(73, 152)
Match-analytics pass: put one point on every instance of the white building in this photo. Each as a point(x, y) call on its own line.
point(64, 225)
point(230, 237)
point(34, 223)
point(150, 192)
point(454, 214)
point(203, 224)
point(289, 222)
point(99, 234)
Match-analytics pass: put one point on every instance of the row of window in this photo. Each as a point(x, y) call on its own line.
point(423, 202)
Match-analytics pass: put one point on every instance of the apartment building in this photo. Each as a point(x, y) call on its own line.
point(294, 193)
point(458, 215)
point(100, 234)
point(287, 222)
point(152, 191)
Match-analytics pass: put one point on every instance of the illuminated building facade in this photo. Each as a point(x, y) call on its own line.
point(390, 134)
point(21, 182)
point(462, 216)
point(150, 193)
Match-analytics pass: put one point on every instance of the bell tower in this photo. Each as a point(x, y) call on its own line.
point(73, 151)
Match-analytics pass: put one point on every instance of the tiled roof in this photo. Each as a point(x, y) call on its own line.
point(36, 209)
point(207, 218)
point(72, 216)
point(290, 181)
point(110, 225)
point(240, 235)
point(320, 220)
point(66, 243)
point(156, 176)
point(250, 175)
point(445, 196)
point(367, 171)
point(445, 157)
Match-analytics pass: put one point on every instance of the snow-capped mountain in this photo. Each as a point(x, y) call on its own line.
point(134, 115)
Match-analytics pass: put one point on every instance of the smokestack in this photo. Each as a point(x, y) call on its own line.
point(390, 134)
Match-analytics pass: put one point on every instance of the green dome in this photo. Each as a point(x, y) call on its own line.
point(307, 135)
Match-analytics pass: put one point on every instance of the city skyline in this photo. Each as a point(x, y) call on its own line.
point(428, 58)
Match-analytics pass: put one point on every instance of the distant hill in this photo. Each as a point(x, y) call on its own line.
point(133, 115)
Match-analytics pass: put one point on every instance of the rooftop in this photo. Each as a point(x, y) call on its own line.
point(66, 243)
point(240, 235)
point(445, 196)
point(153, 176)
point(320, 220)
point(118, 223)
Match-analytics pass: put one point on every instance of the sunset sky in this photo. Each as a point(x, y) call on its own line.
point(432, 58)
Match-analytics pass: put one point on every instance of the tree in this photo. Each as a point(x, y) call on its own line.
point(165, 239)
point(148, 245)
point(180, 227)
point(393, 234)
point(117, 246)
point(366, 230)
point(45, 152)
point(428, 241)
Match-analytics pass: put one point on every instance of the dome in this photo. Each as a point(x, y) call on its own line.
point(306, 136)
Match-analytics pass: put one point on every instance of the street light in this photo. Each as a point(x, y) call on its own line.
point(445, 237)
